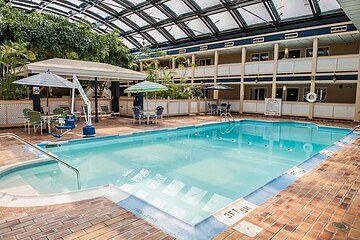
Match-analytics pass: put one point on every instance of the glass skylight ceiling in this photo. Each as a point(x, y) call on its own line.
point(171, 22)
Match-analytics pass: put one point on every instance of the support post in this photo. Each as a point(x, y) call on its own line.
point(242, 86)
point(193, 68)
point(115, 93)
point(313, 74)
point(96, 100)
point(276, 58)
point(216, 63)
point(36, 98)
point(357, 99)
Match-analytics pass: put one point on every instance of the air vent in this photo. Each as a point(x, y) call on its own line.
point(182, 51)
point(258, 40)
point(203, 48)
point(338, 29)
point(291, 35)
point(229, 44)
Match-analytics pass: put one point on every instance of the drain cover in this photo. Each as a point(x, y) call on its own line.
point(340, 225)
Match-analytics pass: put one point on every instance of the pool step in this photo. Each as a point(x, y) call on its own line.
point(21, 187)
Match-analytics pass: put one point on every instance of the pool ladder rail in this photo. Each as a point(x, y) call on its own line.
point(356, 128)
point(227, 117)
point(45, 153)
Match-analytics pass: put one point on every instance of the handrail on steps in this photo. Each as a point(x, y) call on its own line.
point(46, 153)
point(356, 128)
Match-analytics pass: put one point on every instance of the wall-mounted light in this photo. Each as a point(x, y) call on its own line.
point(284, 88)
point(256, 80)
point(334, 78)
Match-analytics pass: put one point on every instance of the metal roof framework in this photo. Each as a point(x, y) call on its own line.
point(164, 23)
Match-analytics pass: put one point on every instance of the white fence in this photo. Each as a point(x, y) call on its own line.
point(171, 107)
point(11, 112)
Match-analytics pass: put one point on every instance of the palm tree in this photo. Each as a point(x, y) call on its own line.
point(13, 56)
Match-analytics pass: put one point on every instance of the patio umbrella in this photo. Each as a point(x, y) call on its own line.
point(146, 86)
point(46, 79)
point(219, 87)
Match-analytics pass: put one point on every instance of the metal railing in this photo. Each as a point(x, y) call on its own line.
point(356, 128)
point(44, 152)
point(227, 117)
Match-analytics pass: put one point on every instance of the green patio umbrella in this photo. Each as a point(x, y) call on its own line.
point(219, 87)
point(146, 86)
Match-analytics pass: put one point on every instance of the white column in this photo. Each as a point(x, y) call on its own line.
point(216, 63)
point(357, 100)
point(141, 66)
point(276, 58)
point(192, 68)
point(313, 73)
point(242, 86)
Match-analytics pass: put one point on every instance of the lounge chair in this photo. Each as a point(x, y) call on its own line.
point(65, 107)
point(223, 108)
point(107, 112)
point(58, 111)
point(35, 120)
point(137, 114)
point(213, 109)
point(159, 113)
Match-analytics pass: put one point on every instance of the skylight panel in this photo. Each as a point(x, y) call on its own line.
point(207, 3)
point(114, 5)
point(99, 12)
point(136, 2)
point(75, 2)
point(178, 7)
point(176, 31)
point(157, 36)
point(137, 20)
point(328, 5)
point(224, 21)
point(121, 25)
point(128, 43)
point(198, 27)
point(255, 14)
point(141, 40)
point(288, 9)
point(59, 7)
point(156, 14)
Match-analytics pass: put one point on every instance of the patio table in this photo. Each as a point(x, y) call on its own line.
point(149, 113)
point(47, 119)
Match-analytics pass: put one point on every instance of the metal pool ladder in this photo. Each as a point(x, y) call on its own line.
point(46, 153)
point(227, 117)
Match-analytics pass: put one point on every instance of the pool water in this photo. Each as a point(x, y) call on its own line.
point(188, 172)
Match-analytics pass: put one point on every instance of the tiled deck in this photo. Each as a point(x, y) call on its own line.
point(305, 210)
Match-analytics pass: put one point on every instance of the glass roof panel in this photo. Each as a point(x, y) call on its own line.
point(121, 25)
point(137, 20)
point(176, 31)
point(98, 11)
point(255, 14)
point(224, 21)
point(207, 3)
point(178, 7)
point(59, 7)
point(198, 27)
point(156, 14)
point(128, 43)
point(141, 40)
point(76, 2)
point(328, 5)
point(157, 36)
point(136, 2)
point(288, 9)
point(114, 5)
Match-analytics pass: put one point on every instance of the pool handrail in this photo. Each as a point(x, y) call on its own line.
point(356, 128)
point(46, 153)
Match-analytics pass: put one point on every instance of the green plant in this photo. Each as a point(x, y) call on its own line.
point(13, 56)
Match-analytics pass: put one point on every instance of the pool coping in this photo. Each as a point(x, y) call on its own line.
point(223, 218)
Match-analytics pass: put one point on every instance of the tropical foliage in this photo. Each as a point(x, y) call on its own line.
point(178, 86)
point(26, 35)
point(12, 56)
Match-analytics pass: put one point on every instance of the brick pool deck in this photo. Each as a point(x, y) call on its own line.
point(304, 210)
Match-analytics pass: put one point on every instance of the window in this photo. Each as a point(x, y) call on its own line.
point(290, 94)
point(258, 93)
point(323, 51)
point(320, 92)
point(204, 62)
point(259, 57)
point(291, 54)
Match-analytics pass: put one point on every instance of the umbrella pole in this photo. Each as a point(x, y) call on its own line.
point(47, 100)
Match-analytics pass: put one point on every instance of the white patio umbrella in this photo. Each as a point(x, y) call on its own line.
point(46, 79)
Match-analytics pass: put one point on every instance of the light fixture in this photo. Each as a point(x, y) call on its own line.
point(256, 80)
point(334, 78)
point(284, 88)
